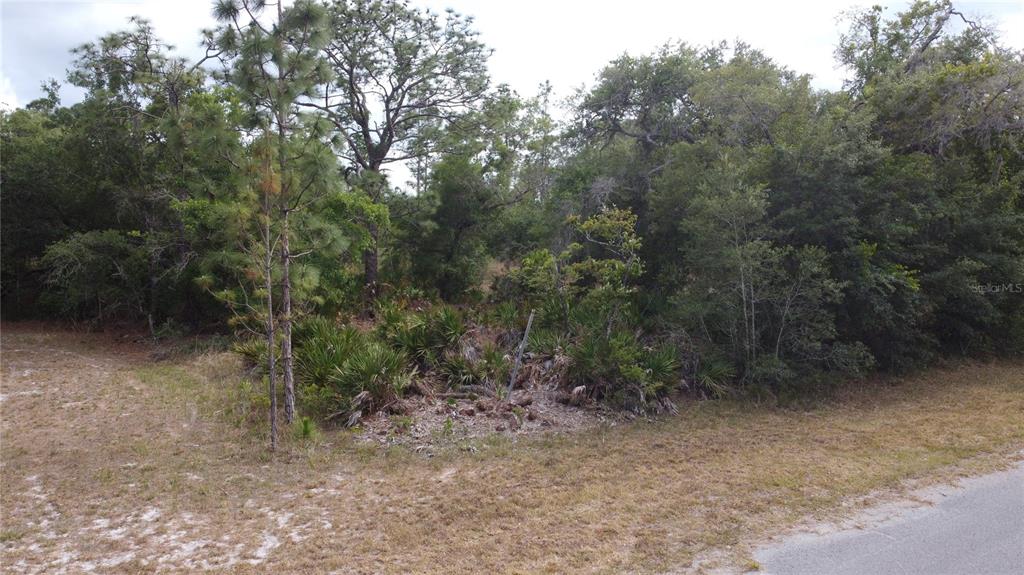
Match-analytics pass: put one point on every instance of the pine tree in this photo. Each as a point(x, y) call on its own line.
point(275, 62)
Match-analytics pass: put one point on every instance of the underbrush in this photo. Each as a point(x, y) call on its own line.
point(344, 373)
point(585, 341)
point(576, 322)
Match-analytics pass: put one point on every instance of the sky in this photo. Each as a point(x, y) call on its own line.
point(565, 42)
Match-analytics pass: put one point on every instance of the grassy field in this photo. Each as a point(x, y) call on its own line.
point(115, 463)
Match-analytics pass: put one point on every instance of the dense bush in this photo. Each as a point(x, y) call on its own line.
point(98, 274)
point(371, 379)
point(321, 350)
point(620, 369)
point(424, 336)
point(342, 372)
point(765, 308)
point(253, 352)
point(585, 301)
point(488, 367)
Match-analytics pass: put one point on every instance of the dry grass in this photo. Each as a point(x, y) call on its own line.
point(112, 463)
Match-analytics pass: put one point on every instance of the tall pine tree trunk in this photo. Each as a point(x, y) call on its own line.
point(154, 266)
point(286, 255)
point(268, 263)
point(286, 321)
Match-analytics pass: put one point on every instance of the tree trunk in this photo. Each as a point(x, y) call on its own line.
point(370, 262)
point(271, 344)
point(154, 264)
point(286, 321)
point(286, 254)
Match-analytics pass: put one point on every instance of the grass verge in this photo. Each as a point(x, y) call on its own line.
point(116, 463)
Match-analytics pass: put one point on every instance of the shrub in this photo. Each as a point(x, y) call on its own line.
point(714, 375)
point(496, 364)
point(254, 353)
point(391, 316)
point(98, 274)
point(406, 331)
point(459, 370)
point(506, 315)
point(589, 311)
point(249, 404)
point(547, 341)
point(322, 401)
point(662, 363)
point(371, 379)
point(536, 278)
point(619, 369)
point(445, 326)
point(305, 429)
point(312, 327)
point(341, 371)
point(321, 350)
point(489, 367)
point(423, 336)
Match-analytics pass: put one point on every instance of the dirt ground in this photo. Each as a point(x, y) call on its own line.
point(111, 462)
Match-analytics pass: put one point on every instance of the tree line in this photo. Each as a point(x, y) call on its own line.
point(705, 217)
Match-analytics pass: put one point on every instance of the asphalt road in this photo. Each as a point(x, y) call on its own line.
point(976, 528)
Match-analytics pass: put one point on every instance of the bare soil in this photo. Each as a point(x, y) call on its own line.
point(111, 462)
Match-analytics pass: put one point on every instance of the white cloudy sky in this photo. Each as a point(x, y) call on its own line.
point(564, 41)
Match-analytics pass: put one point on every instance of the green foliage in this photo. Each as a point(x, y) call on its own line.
point(714, 375)
point(37, 202)
point(586, 309)
point(536, 277)
point(341, 371)
point(459, 370)
point(765, 307)
point(312, 328)
point(783, 236)
point(661, 364)
point(372, 378)
point(253, 351)
point(101, 272)
point(547, 341)
point(411, 335)
point(506, 315)
point(488, 367)
point(320, 351)
point(449, 252)
point(446, 326)
point(433, 338)
point(604, 281)
point(305, 429)
point(423, 336)
point(249, 404)
point(620, 369)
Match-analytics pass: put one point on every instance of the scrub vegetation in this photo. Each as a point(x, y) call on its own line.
point(391, 317)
